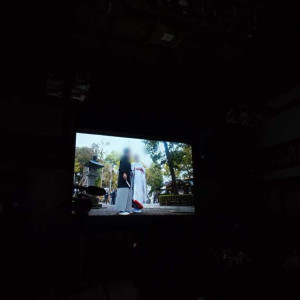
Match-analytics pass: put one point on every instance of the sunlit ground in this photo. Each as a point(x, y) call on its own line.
point(149, 209)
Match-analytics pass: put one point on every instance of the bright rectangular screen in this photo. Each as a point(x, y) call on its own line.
point(140, 176)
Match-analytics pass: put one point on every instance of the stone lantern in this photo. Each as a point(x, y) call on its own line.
point(90, 172)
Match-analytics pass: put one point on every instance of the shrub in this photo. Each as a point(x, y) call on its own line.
point(176, 200)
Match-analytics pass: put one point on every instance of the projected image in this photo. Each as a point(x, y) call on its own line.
point(138, 176)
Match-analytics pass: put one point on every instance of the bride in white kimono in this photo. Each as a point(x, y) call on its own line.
point(139, 185)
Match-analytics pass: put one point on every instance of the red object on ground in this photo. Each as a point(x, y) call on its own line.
point(138, 204)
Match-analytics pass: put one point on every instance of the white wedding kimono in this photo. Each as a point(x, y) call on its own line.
point(139, 183)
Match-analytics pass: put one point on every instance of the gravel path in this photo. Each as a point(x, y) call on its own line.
point(149, 209)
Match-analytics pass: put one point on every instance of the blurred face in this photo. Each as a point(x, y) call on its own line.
point(128, 154)
point(136, 158)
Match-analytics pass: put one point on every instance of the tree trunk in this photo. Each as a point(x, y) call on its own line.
point(171, 167)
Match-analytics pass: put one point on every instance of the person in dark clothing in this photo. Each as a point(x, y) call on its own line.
point(124, 194)
point(125, 170)
point(106, 197)
point(113, 196)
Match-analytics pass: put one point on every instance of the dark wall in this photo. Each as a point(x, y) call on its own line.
point(35, 151)
point(277, 142)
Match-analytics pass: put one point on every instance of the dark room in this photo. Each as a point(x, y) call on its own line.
point(150, 149)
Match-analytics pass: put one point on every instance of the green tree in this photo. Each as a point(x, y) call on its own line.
point(77, 165)
point(84, 154)
point(99, 150)
point(176, 159)
point(183, 163)
point(170, 161)
point(113, 158)
point(112, 161)
point(154, 177)
point(161, 158)
point(109, 173)
point(186, 165)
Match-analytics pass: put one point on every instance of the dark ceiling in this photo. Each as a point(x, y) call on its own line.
point(240, 50)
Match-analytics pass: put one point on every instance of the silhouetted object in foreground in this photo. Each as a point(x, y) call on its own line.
point(82, 198)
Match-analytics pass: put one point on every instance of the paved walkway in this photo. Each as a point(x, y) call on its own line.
point(149, 209)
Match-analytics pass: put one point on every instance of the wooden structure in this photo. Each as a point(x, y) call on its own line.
point(184, 187)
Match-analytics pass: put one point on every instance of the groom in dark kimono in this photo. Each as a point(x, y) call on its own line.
point(124, 193)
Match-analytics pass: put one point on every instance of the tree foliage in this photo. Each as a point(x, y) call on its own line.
point(82, 156)
point(153, 149)
point(182, 161)
point(113, 158)
point(77, 166)
point(109, 173)
point(154, 177)
point(180, 156)
point(186, 164)
point(99, 150)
